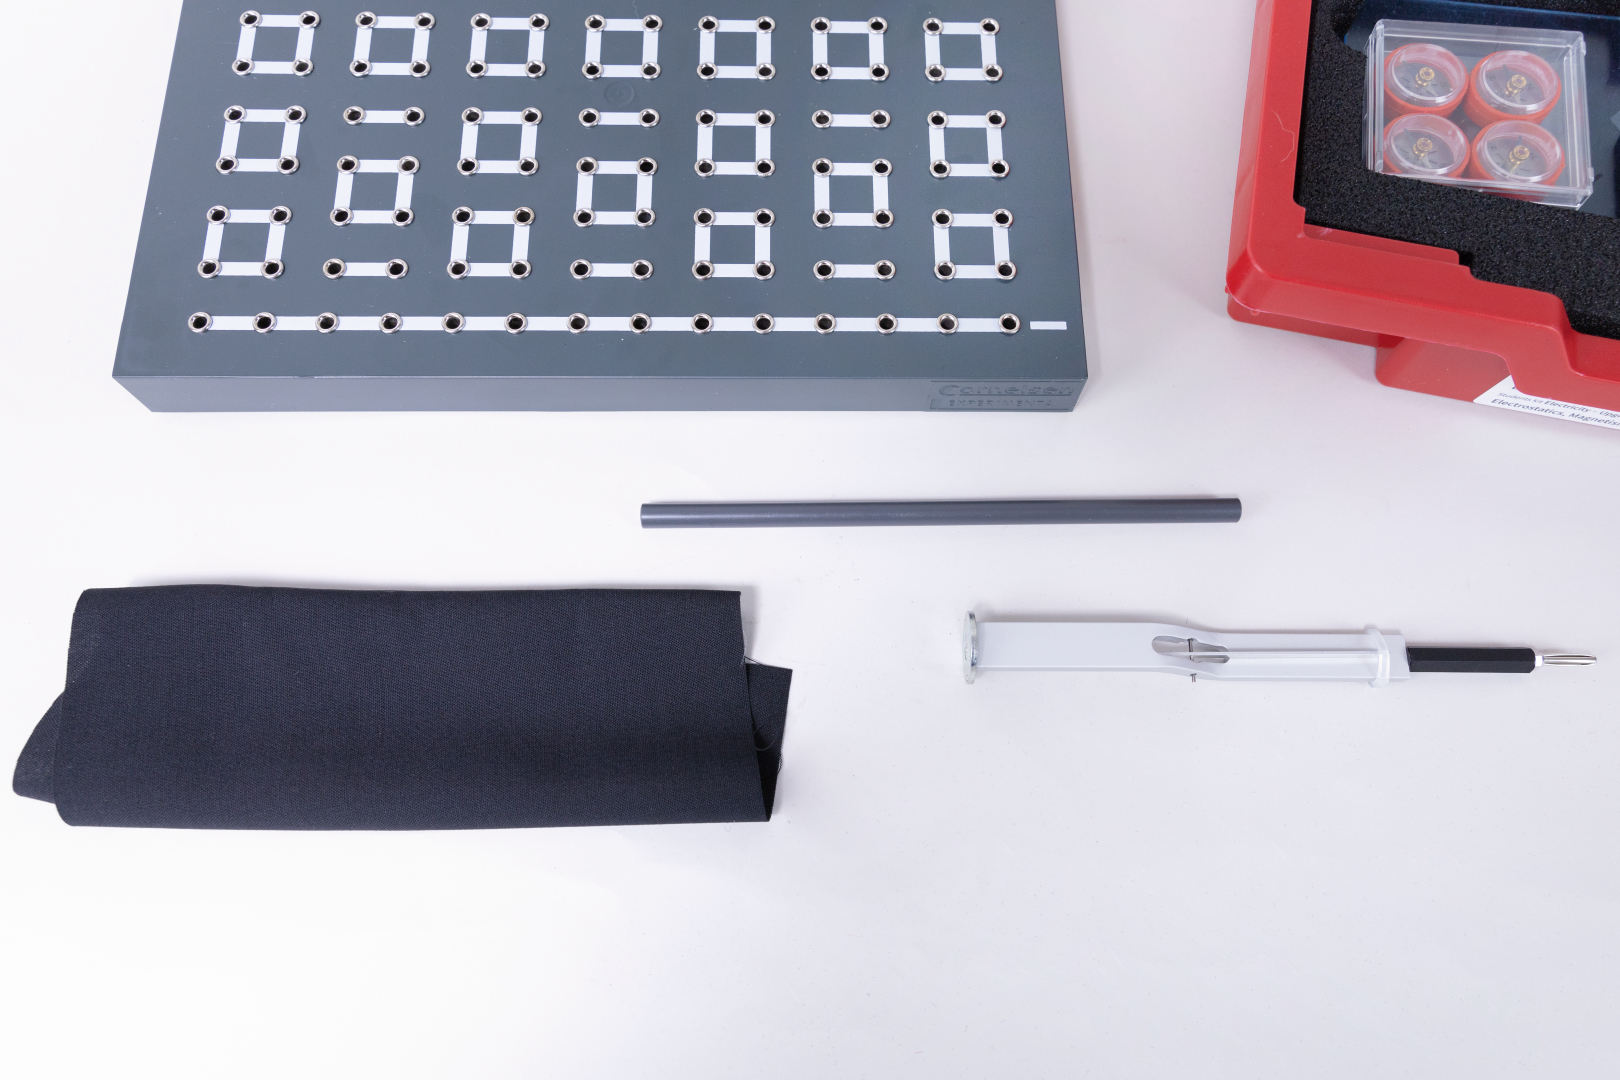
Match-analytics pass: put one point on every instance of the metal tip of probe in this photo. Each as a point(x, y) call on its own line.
point(1566, 660)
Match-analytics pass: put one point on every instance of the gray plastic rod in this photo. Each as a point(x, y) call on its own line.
point(976, 512)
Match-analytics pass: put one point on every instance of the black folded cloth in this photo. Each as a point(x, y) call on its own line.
point(222, 707)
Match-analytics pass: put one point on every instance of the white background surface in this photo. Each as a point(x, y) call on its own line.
point(1039, 875)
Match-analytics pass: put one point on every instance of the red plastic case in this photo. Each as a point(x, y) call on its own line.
point(1437, 329)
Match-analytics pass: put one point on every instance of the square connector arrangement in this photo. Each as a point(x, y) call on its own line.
point(667, 205)
point(1492, 108)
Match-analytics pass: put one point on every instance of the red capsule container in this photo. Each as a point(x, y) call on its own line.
point(1437, 328)
point(1423, 78)
point(1425, 145)
point(1511, 85)
point(1516, 152)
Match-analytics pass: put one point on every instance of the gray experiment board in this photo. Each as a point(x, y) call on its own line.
point(480, 208)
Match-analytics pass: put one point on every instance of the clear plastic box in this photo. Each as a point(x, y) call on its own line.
point(1492, 108)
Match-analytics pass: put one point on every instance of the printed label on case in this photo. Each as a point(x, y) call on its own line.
point(1504, 395)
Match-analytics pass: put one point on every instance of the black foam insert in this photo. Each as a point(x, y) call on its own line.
point(1564, 252)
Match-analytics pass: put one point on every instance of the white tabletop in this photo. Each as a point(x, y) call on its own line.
point(1038, 875)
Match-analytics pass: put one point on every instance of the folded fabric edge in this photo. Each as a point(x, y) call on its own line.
point(35, 776)
point(768, 703)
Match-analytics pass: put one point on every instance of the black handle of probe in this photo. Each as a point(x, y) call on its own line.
point(1471, 661)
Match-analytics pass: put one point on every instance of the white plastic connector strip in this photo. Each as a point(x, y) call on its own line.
point(867, 324)
point(419, 44)
point(992, 139)
point(618, 119)
point(999, 239)
point(585, 192)
point(857, 270)
point(356, 269)
point(987, 53)
point(762, 243)
point(649, 48)
point(762, 143)
point(301, 52)
point(762, 49)
point(528, 141)
point(402, 191)
point(520, 244)
point(614, 270)
point(233, 132)
point(272, 246)
point(480, 42)
point(851, 120)
point(874, 48)
point(880, 191)
point(382, 116)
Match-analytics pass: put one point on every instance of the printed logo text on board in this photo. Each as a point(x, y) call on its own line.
point(1005, 395)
